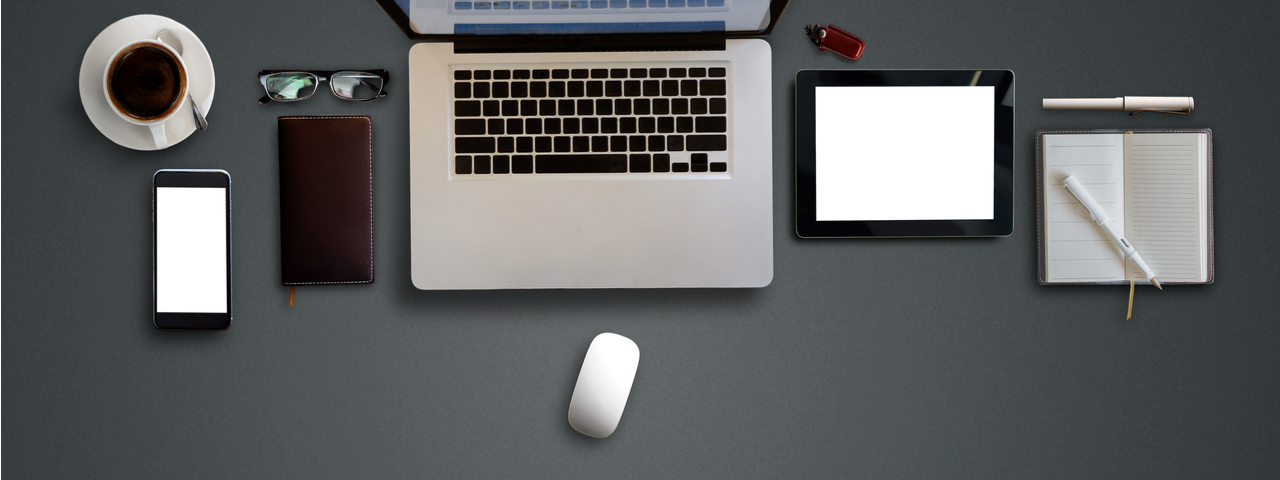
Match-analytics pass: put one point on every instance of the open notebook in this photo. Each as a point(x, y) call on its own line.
point(1157, 187)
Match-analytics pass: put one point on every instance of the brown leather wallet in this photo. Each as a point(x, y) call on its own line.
point(838, 41)
point(326, 199)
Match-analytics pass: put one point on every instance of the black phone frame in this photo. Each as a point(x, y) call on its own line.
point(807, 225)
point(191, 179)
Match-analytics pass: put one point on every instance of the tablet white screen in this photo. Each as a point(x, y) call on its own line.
point(904, 153)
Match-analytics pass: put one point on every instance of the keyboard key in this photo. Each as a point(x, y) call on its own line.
point(560, 73)
point(662, 163)
point(680, 167)
point(519, 89)
point(675, 143)
point(565, 107)
point(627, 124)
point(680, 106)
point(559, 4)
point(555, 89)
point(710, 124)
point(533, 126)
point(657, 73)
point(522, 163)
point(502, 74)
point(506, 144)
point(698, 106)
point(652, 88)
point(579, 4)
point(705, 143)
point(715, 3)
point(599, 73)
point(515, 126)
point(717, 105)
point(462, 75)
point(538, 6)
point(481, 74)
point(586, 107)
point(570, 125)
point(719, 167)
point(617, 3)
point(552, 126)
point(631, 88)
point(637, 3)
point(604, 107)
point(599, 4)
point(675, 3)
point(462, 5)
point(613, 88)
point(640, 163)
point(712, 87)
point(608, 125)
point(657, 3)
point(528, 108)
point(541, 74)
point(667, 124)
point(640, 106)
point(540, 145)
point(657, 143)
point(592, 163)
point(582, 144)
point(595, 88)
point(481, 165)
point(502, 5)
point(618, 143)
point(639, 73)
point(466, 108)
point(622, 107)
point(492, 108)
point(580, 73)
point(462, 165)
point(501, 164)
point(511, 108)
point(577, 89)
point(591, 125)
point(599, 144)
point(638, 143)
point(480, 90)
point(698, 159)
point(520, 74)
point(697, 72)
point(496, 126)
point(717, 72)
point(473, 144)
point(647, 125)
point(561, 144)
point(670, 88)
point(524, 144)
point(684, 124)
point(500, 90)
point(546, 108)
point(688, 88)
point(468, 126)
point(537, 89)
point(618, 73)
point(676, 73)
point(661, 106)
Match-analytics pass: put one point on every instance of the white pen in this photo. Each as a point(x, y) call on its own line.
point(1133, 105)
point(1100, 217)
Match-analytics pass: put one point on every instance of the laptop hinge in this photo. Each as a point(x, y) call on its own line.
point(586, 43)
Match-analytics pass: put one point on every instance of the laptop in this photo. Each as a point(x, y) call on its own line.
point(590, 143)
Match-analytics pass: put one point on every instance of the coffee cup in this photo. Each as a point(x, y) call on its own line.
point(145, 83)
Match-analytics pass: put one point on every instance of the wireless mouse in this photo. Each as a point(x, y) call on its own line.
point(604, 383)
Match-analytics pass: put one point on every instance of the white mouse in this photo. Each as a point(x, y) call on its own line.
point(604, 383)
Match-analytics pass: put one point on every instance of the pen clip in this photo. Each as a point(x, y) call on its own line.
point(1153, 110)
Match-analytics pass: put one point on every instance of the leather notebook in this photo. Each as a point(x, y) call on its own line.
point(326, 199)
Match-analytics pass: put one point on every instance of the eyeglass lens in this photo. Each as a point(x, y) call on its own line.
point(286, 87)
point(356, 85)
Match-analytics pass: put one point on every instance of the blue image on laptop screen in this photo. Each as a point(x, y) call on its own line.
point(506, 17)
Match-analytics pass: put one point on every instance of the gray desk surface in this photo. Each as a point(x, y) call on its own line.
point(864, 358)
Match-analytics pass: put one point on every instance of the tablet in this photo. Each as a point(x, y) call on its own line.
point(904, 153)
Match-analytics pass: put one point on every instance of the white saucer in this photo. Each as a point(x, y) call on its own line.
point(199, 79)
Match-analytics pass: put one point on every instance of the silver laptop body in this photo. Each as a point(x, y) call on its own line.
point(496, 203)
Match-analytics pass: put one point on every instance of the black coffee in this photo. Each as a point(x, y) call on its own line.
point(145, 82)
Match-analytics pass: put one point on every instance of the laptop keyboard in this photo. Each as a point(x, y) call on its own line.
point(584, 4)
point(663, 120)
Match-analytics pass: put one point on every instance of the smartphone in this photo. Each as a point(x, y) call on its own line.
point(191, 249)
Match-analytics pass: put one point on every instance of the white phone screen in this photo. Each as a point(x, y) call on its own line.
point(191, 250)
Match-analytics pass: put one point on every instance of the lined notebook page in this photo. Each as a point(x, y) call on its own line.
point(1165, 204)
point(1076, 249)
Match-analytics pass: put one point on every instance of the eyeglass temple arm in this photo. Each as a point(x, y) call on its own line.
point(264, 100)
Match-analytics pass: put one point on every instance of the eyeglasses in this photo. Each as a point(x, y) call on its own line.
point(295, 85)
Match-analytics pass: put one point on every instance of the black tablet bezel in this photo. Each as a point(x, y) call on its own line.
point(807, 225)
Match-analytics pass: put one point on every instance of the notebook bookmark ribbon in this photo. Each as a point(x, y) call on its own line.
point(838, 41)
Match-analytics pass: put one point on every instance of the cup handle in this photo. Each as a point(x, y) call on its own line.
point(157, 131)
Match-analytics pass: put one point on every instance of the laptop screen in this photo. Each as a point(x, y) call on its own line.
point(569, 17)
